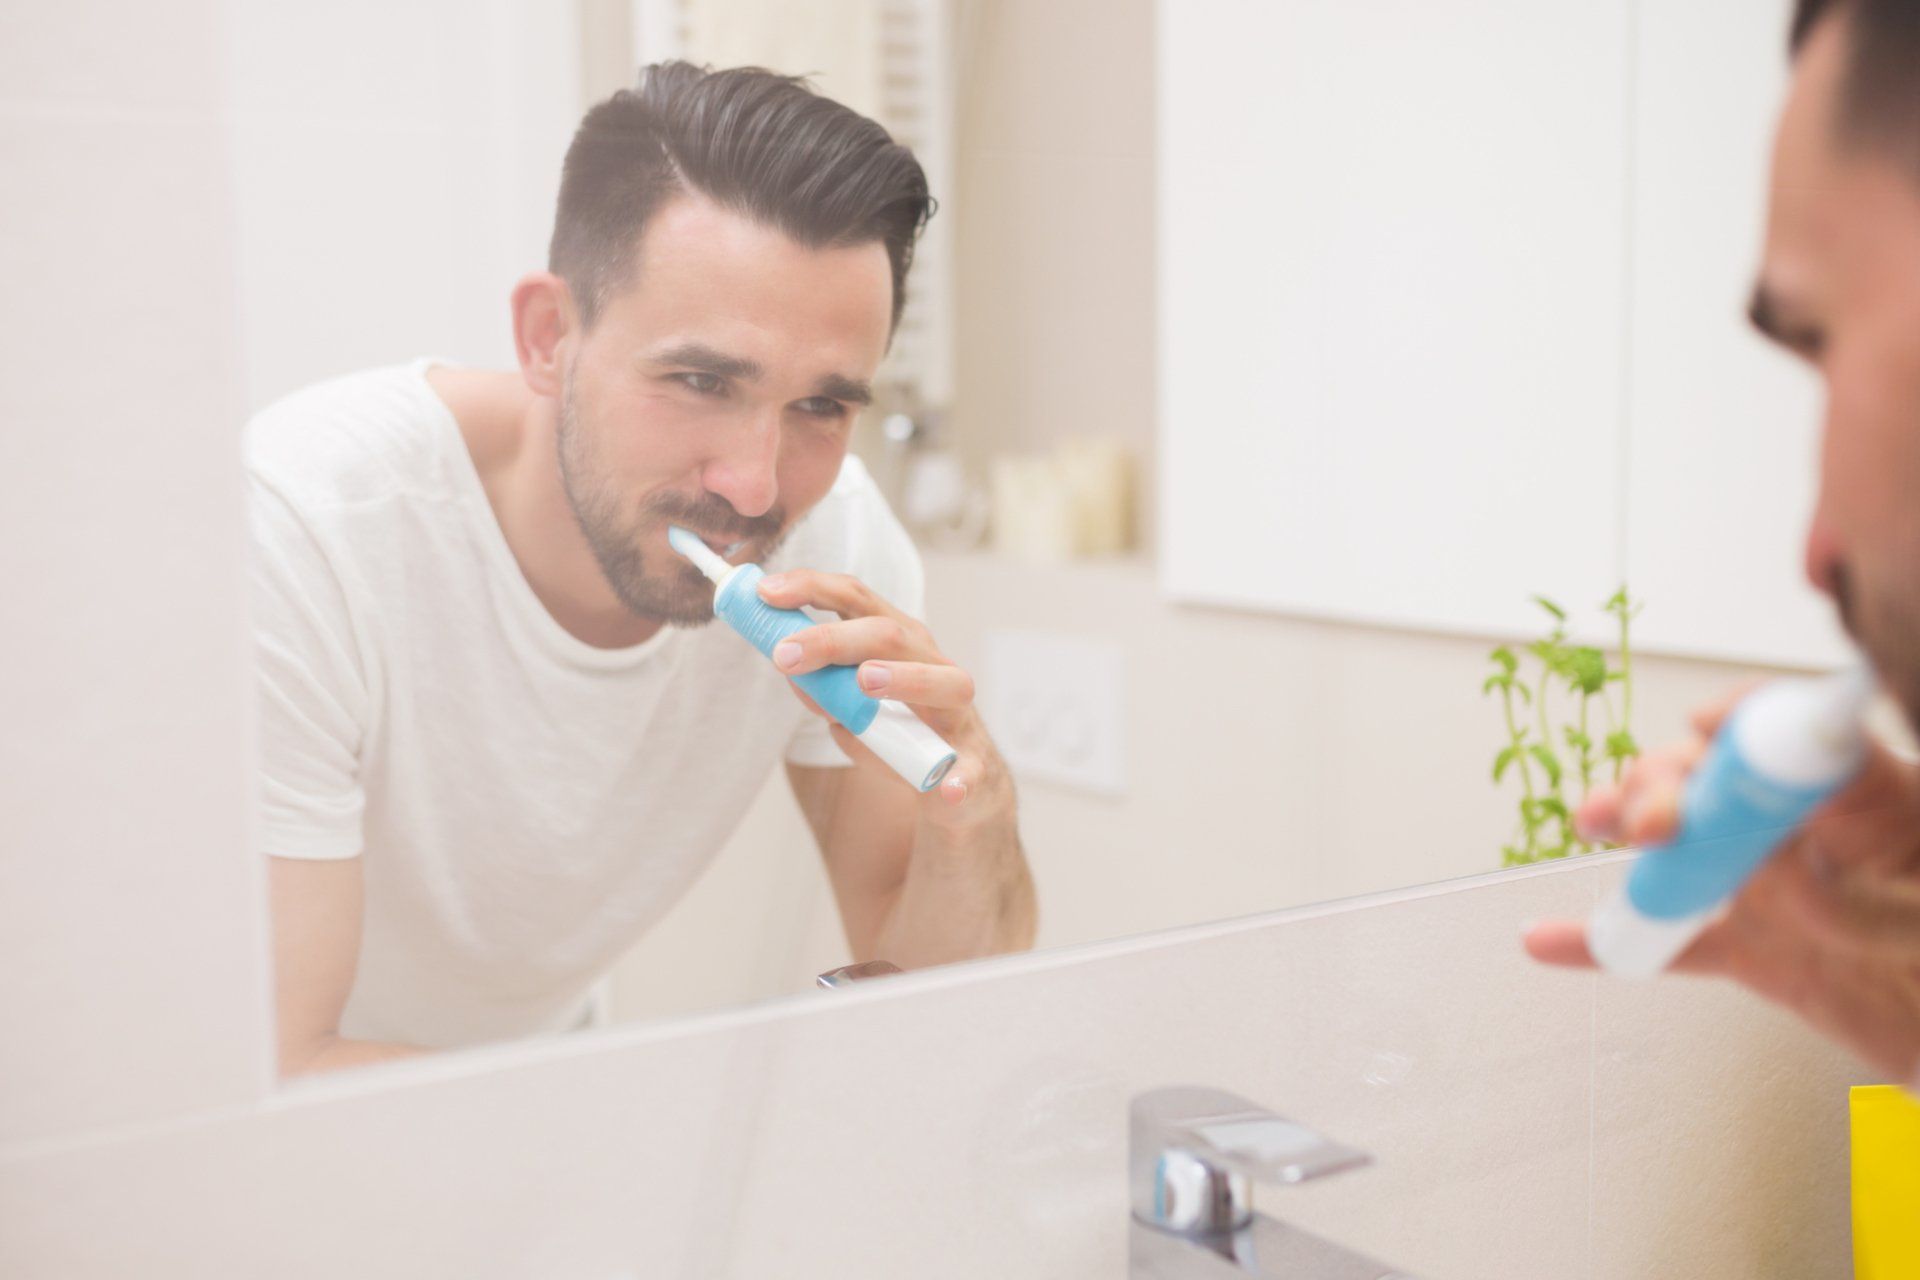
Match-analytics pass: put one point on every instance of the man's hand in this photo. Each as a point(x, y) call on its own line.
point(1828, 927)
point(920, 879)
point(897, 658)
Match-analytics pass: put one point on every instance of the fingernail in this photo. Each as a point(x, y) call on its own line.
point(956, 792)
point(786, 653)
point(875, 678)
point(774, 582)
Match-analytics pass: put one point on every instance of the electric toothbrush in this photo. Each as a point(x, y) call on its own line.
point(888, 728)
point(1782, 753)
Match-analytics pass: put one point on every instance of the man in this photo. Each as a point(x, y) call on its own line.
point(498, 737)
point(1830, 926)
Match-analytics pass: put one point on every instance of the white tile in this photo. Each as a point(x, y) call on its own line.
point(971, 1123)
point(132, 960)
point(1414, 1030)
point(373, 62)
point(106, 53)
point(362, 247)
point(1720, 1137)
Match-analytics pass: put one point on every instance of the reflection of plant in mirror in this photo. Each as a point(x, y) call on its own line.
point(1582, 673)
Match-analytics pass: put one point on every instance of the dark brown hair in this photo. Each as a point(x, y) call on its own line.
point(763, 145)
point(1880, 101)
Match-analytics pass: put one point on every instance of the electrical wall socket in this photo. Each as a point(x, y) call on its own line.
point(1054, 705)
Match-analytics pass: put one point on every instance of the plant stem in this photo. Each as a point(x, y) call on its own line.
point(1515, 736)
point(1626, 678)
point(1586, 758)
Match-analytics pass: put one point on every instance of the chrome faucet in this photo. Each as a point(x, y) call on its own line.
point(1193, 1154)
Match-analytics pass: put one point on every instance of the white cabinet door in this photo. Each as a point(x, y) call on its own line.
point(1392, 305)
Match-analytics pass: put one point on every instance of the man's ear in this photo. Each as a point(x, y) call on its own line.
point(545, 325)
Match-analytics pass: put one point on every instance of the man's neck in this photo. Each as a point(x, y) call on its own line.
point(512, 436)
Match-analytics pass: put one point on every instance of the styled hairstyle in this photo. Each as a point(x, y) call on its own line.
point(1880, 101)
point(760, 144)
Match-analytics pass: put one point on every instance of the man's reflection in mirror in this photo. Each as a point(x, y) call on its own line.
point(500, 733)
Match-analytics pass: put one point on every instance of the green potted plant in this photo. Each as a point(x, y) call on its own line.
point(1546, 762)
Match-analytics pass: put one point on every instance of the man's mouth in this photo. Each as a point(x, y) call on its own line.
point(726, 549)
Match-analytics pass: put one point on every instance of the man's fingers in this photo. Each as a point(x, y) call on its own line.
point(953, 789)
point(1564, 943)
point(1650, 812)
point(807, 588)
point(918, 684)
point(1707, 719)
point(1644, 808)
point(1559, 942)
point(844, 644)
point(1598, 817)
point(1650, 794)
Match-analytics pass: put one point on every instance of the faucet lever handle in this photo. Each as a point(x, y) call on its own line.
point(1194, 1150)
point(1265, 1147)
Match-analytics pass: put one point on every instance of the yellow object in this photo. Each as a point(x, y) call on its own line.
point(1886, 1183)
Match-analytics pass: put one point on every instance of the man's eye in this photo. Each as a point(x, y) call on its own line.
point(707, 384)
point(822, 407)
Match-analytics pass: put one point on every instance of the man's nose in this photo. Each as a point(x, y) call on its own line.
point(745, 471)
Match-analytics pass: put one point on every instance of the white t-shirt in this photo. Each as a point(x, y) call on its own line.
point(526, 804)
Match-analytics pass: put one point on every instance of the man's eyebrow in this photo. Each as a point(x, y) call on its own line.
point(704, 359)
point(836, 387)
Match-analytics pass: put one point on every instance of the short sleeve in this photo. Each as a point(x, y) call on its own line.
point(312, 690)
point(877, 550)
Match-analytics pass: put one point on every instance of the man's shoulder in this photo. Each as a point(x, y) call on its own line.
point(354, 438)
point(854, 531)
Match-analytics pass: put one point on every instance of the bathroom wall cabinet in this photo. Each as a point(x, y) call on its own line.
point(1451, 312)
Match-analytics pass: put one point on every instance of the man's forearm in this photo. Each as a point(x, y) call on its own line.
point(335, 1052)
point(967, 893)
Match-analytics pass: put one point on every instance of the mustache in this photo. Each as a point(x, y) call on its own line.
point(712, 517)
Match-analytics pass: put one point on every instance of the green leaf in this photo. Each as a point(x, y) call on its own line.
point(1553, 807)
point(1586, 669)
point(1579, 741)
point(1552, 608)
point(1501, 761)
point(1526, 694)
point(1617, 601)
point(1621, 746)
point(1495, 681)
point(1548, 761)
point(1504, 657)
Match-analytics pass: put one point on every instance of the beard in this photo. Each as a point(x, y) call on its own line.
point(1886, 626)
point(656, 585)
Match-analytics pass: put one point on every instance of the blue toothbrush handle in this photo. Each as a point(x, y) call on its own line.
point(836, 689)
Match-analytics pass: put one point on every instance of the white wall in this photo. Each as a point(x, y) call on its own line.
point(131, 911)
point(395, 166)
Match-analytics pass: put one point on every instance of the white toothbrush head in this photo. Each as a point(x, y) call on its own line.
point(694, 548)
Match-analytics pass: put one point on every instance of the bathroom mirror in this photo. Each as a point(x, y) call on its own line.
point(1260, 365)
